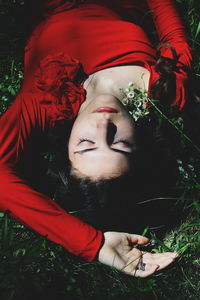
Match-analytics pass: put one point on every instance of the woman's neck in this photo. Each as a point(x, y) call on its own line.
point(110, 80)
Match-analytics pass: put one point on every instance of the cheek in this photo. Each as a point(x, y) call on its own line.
point(70, 151)
point(76, 129)
point(127, 128)
point(73, 139)
point(79, 130)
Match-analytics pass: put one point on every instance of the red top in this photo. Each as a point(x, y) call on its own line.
point(98, 38)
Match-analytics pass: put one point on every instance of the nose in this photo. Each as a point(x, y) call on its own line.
point(111, 131)
point(107, 129)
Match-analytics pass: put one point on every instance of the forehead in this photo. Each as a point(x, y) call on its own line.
point(101, 164)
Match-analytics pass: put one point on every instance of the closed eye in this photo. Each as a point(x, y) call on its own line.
point(125, 142)
point(85, 140)
point(120, 141)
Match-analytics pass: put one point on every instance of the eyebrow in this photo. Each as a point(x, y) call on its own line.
point(126, 153)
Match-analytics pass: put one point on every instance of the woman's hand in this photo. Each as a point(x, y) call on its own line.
point(118, 251)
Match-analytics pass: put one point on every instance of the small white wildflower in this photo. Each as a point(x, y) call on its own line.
point(20, 75)
point(180, 121)
point(146, 113)
point(131, 95)
point(191, 167)
point(125, 101)
point(137, 113)
point(181, 170)
point(135, 101)
point(145, 100)
point(130, 84)
point(4, 98)
point(138, 103)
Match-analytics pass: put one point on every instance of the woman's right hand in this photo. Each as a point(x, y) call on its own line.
point(118, 251)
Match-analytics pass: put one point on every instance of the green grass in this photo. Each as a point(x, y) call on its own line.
point(34, 268)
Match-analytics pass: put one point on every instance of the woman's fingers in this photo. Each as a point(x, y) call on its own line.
point(118, 252)
point(161, 259)
point(137, 239)
point(149, 270)
point(144, 264)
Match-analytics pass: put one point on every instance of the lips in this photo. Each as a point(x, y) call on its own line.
point(106, 109)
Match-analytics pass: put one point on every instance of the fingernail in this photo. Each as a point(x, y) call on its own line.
point(177, 255)
point(157, 267)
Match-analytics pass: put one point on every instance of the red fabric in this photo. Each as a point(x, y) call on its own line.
point(98, 38)
point(56, 87)
point(93, 34)
point(23, 122)
point(171, 31)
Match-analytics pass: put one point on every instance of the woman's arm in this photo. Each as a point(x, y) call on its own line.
point(120, 251)
point(172, 37)
point(23, 122)
point(170, 30)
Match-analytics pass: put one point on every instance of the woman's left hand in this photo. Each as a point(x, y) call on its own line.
point(119, 251)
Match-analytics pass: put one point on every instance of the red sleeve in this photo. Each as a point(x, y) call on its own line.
point(171, 30)
point(24, 120)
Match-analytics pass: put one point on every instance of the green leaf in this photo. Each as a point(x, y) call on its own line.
point(197, 31)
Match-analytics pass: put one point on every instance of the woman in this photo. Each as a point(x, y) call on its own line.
point(112, 51)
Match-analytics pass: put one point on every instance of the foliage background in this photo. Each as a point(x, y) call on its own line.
point(33, 267)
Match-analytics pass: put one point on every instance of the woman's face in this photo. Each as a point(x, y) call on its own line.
point(102, 139)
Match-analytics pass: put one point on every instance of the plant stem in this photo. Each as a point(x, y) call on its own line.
point(176, 127)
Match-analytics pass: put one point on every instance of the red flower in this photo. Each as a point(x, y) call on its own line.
point(59, 80)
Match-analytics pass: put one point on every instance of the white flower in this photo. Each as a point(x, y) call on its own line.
point(146, 112)
point(4, 98)
point(138, 103)
point(181, 169)
point(20, 74)
point(191, 167)
point(179, 162)
point(125, 101)
point(137, 113)
point(180, 121)
point(130, 84)
point(145, 100)
point(135, 101)
point(131, 95)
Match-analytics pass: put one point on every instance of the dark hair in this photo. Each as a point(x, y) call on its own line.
point(154, 169)
point(106, 204)
point(164, 90)
point(73, 193)
point(165, 87)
